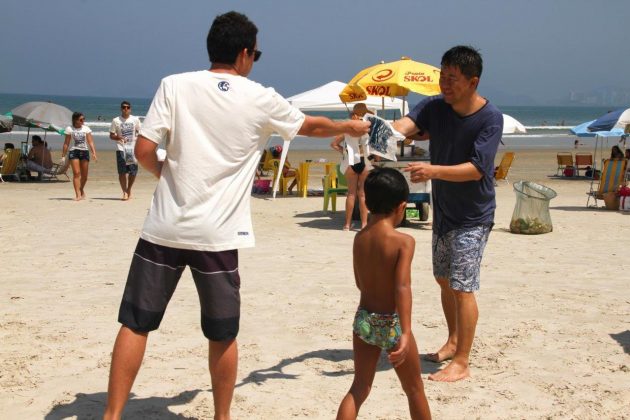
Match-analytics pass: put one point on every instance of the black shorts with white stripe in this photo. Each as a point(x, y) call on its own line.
point(153, 276)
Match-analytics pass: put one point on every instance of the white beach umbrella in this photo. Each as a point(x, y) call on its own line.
point(512, 126)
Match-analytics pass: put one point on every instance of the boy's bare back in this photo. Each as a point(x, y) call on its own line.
point(382, 262)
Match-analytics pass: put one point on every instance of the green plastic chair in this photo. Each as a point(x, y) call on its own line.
point(334, 183)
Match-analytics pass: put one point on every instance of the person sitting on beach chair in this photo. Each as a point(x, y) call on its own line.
point(39, 158)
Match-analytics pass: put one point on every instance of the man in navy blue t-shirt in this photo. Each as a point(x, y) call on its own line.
point(464, 130)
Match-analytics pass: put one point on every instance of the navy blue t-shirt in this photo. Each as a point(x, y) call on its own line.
point(455, 140)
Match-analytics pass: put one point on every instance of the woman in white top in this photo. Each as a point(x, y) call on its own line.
point(79, 152)
point(355, 167)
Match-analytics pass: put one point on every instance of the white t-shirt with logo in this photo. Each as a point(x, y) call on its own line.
point(214, 127)
point(127, 128)
point(78, 136)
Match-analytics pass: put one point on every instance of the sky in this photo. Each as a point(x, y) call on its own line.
point(534, 51)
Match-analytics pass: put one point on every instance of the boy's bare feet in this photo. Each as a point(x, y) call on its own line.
point(125, 197)
point(455, 371)
point(445, 353)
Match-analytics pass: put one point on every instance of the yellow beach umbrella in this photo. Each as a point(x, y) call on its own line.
point(396, 78)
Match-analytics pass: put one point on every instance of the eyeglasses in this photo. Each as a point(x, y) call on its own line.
point(257, 54)
point(81, 119)
point(125, 107)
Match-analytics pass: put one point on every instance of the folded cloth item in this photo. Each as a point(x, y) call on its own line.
point(382, 138)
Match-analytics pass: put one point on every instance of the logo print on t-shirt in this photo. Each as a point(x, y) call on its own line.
point(126, 130)
point(224, 86)
point(79, 138)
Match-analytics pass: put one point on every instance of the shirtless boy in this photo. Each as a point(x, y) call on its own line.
point(382, 269)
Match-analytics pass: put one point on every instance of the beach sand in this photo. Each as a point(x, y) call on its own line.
point(553, 339)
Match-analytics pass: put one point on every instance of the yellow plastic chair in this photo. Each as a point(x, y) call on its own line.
point(564, 161)
point(266, 163)
point(583, 161)
point(501, 172)
point(612, 176)
point(334, 183)
point(285, 180)
point(10, 164)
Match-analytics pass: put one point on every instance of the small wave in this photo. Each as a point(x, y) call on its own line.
point(547, 127)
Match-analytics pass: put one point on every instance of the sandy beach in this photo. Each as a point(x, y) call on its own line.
point(553, 338)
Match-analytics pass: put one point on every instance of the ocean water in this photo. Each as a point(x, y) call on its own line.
point(547, 126)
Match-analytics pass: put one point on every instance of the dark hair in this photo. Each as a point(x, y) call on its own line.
point(229, 34)
point(9, 146)
point(37, 138)
point(466, 58)
point(385, 189)
point(76, 116)
point(616, 153)
point(125, 103)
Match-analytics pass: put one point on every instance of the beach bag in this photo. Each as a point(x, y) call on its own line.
point(130, 158)
point(568, 171)
point(624, 199)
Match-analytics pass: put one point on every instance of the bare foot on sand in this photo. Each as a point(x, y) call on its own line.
point(455, 371)
point(445, 353)
point(125, 197)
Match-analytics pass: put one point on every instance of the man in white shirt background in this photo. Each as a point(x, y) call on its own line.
point(124, 130)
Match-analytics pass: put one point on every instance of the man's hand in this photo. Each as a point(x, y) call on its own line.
point(399, 354)
point(420, 172)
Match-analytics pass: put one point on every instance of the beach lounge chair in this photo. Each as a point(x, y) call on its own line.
point(565, 160)
point(9, 166)
point(60, 168)
point(612, 176)
point(501, 172)
point(286, 176)
point(582, 161)
point(334, 183)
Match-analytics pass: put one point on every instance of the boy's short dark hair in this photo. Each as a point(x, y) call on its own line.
point(37, 139)
point(125, 103)
point(385, 189)
point(466, 58)
point(229, 34)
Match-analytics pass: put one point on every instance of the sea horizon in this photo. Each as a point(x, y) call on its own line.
point(547, 126)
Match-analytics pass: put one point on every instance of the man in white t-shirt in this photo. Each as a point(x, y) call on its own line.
point(215, 125)
point(124, 131)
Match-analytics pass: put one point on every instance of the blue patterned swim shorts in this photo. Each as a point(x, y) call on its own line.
point(457, 256)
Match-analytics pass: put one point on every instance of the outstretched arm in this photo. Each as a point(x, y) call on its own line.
point(325, 127)
point(421, 172)
point(406, 127)
point(403, 299)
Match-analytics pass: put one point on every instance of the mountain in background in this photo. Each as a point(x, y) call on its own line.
point(604, 96)
point(612, 96)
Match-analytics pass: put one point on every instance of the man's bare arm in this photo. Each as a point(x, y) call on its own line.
point(463, 172)
point(145, 152)
point(325, 127)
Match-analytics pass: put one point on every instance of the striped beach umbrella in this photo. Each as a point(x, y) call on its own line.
point(44, 115)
